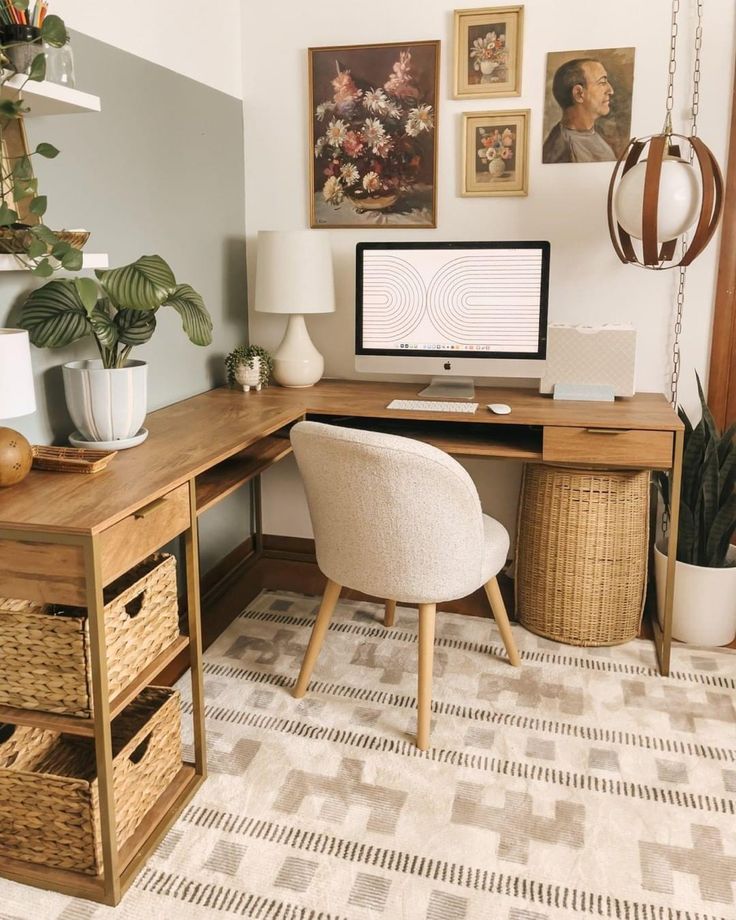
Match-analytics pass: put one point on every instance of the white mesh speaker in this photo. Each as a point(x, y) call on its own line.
point(590, 356)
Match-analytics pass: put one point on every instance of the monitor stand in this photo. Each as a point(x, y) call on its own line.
point(450, 388)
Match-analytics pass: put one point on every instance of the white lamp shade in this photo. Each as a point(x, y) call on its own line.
point(16, 374)
point(294, 272)
point(678, 203)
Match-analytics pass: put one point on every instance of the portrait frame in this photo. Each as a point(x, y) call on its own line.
point(477, 75)
point(382, 175)
point(487, 172)
point(612, 126)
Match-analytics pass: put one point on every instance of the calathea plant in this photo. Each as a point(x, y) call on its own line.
point(22, 230)
point(707, 499)
point(119, 312)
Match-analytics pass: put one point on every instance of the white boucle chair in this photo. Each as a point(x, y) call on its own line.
point(400, 520)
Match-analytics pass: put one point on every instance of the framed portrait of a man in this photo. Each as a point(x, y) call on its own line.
point(488, 45)
point(373, 135)
point(587, 106)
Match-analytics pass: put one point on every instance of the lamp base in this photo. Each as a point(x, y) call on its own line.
point(16, 457)
point(296, 362)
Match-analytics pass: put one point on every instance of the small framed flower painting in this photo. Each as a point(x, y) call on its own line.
point(488, 45)
point(495, 153)
point(373, 135)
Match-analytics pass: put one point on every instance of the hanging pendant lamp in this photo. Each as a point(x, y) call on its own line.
point(665, 184)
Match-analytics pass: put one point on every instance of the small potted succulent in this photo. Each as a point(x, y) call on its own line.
point(705, 576)
point(249, 366)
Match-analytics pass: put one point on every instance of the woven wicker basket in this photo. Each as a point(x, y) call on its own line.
point(581, 554)
point(45, 661)
point(49, 800)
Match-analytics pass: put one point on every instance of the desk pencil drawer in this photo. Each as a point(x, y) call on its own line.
point(609, 447)
point(143, 532)
point(45, 661)
point(49, 798)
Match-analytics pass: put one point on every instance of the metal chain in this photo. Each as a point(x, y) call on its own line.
point(680, 298)
point(671, 69)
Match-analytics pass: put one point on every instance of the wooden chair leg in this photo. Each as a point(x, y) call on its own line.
point(388, 617)
point(498, 609)
point(424, 680)
point(329, 600)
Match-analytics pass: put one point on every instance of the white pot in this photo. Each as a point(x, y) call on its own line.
point(248, 377)
point(106, 404)
point(704, 611)
point(487, 67)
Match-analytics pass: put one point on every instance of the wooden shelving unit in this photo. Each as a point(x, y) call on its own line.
point(45, 99)
point(218, 482)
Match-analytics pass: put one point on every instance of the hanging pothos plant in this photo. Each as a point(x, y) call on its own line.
point(33, 243)
point(119, 312)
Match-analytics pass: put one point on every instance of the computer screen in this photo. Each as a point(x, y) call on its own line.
point(457, 300)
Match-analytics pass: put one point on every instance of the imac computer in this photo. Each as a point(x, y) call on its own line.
point(452, 310)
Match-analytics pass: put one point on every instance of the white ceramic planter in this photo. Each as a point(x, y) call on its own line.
point(106, 404)
point(704, 611)
point(248, 377)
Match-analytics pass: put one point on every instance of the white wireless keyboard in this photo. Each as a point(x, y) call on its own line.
point(431, 405)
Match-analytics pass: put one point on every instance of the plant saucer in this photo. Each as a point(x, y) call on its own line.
point(76, 440)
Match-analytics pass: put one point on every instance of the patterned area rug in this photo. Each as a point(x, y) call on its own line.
point(581, 785)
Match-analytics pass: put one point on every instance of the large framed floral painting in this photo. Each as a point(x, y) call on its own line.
point(495, 153)
point(373, 135)
point(488, 45)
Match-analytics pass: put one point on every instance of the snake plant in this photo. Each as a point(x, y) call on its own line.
point(707, 497)
point(119, 312)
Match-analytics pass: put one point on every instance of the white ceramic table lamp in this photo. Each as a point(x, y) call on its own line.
point(294, 276)
point(16, 398)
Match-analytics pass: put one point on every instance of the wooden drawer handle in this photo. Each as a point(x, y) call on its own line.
point(149, 509)
point(607, 430)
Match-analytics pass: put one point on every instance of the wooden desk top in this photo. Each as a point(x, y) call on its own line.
point(194, 435)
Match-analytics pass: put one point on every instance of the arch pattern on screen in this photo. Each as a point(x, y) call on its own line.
point(394, 299)
point(493, 299)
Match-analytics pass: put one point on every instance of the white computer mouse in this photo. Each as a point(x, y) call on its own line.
point(499, 408)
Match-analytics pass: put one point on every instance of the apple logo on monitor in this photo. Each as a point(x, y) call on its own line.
point(447, 366)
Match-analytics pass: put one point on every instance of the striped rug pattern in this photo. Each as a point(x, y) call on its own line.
point(581, 785)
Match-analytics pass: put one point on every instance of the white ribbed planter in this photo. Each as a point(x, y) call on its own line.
point(704, 611)
point(106, 404)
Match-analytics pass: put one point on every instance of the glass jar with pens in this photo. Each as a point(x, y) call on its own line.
point(20, 33)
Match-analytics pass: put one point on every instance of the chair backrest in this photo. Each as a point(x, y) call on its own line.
point(391, 516)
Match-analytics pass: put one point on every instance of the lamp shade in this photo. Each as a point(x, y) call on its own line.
point(294, 272)
point(16, 374)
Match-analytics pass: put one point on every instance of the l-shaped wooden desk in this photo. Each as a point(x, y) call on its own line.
point(64, 537)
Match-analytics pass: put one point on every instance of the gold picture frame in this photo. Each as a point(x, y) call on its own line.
point(373, 122)
point(495, 153)
point(488, 52)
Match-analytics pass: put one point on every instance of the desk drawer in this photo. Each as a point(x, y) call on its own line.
point(143, 532)
point(609, 447)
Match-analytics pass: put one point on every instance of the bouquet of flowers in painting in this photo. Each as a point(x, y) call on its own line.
point(489, 54)
point(497, 150)
point(371, 138)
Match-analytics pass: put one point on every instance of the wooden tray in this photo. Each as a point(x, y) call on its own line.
point(70, 459)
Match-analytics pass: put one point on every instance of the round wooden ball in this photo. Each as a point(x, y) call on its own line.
point(16, 457)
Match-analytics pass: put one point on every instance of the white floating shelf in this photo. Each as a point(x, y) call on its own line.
point(50, 98)
point(9, 263)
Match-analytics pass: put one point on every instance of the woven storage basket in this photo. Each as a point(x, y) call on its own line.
point(49, 800)
point(45, 650)
point(582, 546)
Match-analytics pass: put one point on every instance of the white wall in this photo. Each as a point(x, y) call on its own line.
point(198, 40)
point(566, 203)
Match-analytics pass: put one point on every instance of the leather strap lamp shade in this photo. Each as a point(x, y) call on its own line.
point(16, 398)
point(656, 195)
